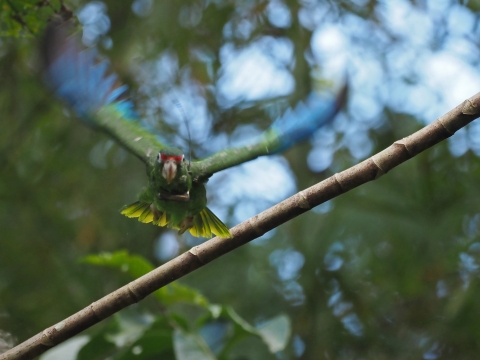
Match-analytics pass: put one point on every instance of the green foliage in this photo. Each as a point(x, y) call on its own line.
point(148, 335)
point(22, 18)
point(137, 266)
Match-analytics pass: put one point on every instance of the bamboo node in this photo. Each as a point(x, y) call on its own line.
point(335, 176)
point(133, 294)
point(403, 143)
point(254, 227)
point(46, 339)
point(302, 201)
point(59, 326)
point(92, 308)
point(194, 251)
point(469, 108)
point(380, 171)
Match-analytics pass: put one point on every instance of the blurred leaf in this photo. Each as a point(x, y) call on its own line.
point(97, 348)
point(129, 334)
point(156, 342)
point(134, 265)
point(176, 292)
point(131, 327)
point(67, 350)
point(137, 266)
point(19, 18)
point(240, 323)
point(474, 5)
point(190, 347)
point(180, 321)
point(276, 333)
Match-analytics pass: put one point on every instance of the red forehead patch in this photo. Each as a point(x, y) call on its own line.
point(177, 159)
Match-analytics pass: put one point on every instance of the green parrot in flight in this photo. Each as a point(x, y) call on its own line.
point(175, 195)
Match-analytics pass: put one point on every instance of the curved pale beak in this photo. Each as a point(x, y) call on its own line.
point(169, 170)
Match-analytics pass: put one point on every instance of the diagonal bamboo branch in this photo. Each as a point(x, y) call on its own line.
point(368, 170)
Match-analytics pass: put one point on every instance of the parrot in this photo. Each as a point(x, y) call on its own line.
point(175, 195)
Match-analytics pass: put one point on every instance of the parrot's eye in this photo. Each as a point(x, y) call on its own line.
point(158, 158)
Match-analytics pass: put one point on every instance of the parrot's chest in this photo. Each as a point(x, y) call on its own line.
point(197, 201)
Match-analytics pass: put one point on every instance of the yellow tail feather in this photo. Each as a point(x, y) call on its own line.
point(144, 213)
point(163, 220)
point(147, 215)
point(134, 210)
point(204, 224)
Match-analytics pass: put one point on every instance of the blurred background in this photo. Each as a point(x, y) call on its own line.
point(389, 270)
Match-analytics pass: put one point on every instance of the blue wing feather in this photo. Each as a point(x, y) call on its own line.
point(294, 126)
point(81, 80)
point(298, 124)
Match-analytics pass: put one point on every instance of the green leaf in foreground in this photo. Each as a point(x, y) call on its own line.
point(137, 266)
point(190, 346)
point(276, 333)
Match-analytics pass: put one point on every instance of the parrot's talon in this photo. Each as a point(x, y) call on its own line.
point(186, 224)
point(175, 197)
point(156, 213)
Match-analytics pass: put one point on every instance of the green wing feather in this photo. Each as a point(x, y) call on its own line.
point(129, 134)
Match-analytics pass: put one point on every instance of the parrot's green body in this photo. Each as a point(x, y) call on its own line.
point(175, 195)
point(181, 203)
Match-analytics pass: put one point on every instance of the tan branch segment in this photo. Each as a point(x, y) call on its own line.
point(367, 170)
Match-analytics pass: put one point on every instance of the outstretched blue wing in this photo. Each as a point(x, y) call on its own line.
point(299, 124)
point(293, 127)
point(80, 78)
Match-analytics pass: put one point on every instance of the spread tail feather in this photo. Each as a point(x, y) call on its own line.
point(203, 224)
point(207, 223)
point(144, 213)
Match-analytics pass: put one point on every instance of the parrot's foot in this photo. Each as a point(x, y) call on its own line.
point(156, 214)
point(175, 197)
point(186, 224)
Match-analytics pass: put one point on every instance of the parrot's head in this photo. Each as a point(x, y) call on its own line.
point(170, 160)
